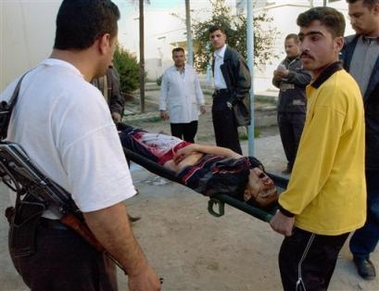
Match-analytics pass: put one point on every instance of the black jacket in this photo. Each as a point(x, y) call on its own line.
point(292, 90)
point(115, 99)
point(236, 74)
point(371, 103)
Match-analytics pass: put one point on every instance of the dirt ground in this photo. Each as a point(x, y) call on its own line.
point(193, 250)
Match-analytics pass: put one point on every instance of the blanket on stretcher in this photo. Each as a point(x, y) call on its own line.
point(216, 199)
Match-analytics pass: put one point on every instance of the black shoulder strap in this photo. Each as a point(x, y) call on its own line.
point(6, 109)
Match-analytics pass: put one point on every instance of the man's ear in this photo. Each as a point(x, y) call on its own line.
point(104, 43)
point(375, 9)
point(339, 41)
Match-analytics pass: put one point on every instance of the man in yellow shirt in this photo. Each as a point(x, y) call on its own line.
point(326, 196)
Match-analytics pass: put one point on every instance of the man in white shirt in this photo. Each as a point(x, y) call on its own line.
point(64, 125)
point(181, 97)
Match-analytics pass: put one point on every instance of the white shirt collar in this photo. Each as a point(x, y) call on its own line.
point(220, 52)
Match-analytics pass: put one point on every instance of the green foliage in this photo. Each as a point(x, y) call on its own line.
point(159, 80)
point(128, 69)
point(235, 27)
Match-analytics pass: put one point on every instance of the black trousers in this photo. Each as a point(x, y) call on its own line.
point(364, 240)
point(65, 262)
point(224, 123)
point(290, 128)
point(185, 131)
point(307, 261)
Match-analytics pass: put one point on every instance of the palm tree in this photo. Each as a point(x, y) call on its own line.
point(141, 51)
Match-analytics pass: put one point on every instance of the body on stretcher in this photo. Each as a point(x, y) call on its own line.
point(217, 199)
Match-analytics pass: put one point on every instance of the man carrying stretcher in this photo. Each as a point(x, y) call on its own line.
point(206, 169)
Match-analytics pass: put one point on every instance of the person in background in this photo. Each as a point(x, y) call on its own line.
point(291, 79)
point(181, 97)
point(63, 124)
point(360, 57)
point(109, 86)
point(326, 196)
point(232, 81)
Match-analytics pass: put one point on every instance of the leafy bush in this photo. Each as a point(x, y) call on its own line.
point(128, 69)
point(159, 80)
point(235, 27)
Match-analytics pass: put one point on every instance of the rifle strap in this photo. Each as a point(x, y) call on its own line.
point(6, 109)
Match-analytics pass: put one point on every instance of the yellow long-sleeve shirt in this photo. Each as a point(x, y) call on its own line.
point(327, 189)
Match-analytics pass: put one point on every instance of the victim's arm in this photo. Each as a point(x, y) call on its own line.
point(205, 149)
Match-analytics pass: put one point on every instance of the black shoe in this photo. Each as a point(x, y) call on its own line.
point(365, 268)
point(133, 218)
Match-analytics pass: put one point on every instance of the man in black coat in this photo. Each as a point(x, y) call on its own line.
point(232, 83)
point(361, 59)
point(291, 79)
point(109, 85)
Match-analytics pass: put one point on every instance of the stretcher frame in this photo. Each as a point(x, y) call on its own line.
point(217, 200)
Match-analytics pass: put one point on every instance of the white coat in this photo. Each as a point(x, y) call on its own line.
point(181, 94)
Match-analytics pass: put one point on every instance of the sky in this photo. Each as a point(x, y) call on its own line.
point(164, 4)
point(161, 27)
point(128, 6)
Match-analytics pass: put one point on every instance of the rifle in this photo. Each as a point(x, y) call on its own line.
point(20, 174)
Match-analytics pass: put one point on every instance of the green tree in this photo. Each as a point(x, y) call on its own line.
point(235, 27)
point(128, 68)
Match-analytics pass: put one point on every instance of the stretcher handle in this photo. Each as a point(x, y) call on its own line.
point(221, 207)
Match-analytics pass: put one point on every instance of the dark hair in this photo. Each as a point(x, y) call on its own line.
point(177, 49)
point(216, 27)
point(367, 3)
point(329, 17)
point(294, 36)
point(80, 22)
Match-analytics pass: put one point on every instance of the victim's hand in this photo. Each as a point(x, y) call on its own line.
point(182, 153)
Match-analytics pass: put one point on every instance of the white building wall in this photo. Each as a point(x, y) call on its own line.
point(27, 35)
point(284, 14)
point(28, 26)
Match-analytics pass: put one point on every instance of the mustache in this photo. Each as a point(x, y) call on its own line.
point(306, 54)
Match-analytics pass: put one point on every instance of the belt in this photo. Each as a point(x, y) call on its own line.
point(52, 223)
point(221, 91)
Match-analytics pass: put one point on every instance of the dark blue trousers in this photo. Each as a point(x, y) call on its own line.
point(65, 262)
point(290, 128)
point(364, 240)
point(185, 131)
point(224, 123)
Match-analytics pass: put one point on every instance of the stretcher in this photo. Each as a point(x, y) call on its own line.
point(216, 203)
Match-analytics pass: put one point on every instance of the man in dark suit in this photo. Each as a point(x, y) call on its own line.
point(361, 59)
point(232, 83)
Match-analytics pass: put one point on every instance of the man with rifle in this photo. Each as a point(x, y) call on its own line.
point(63, 124)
